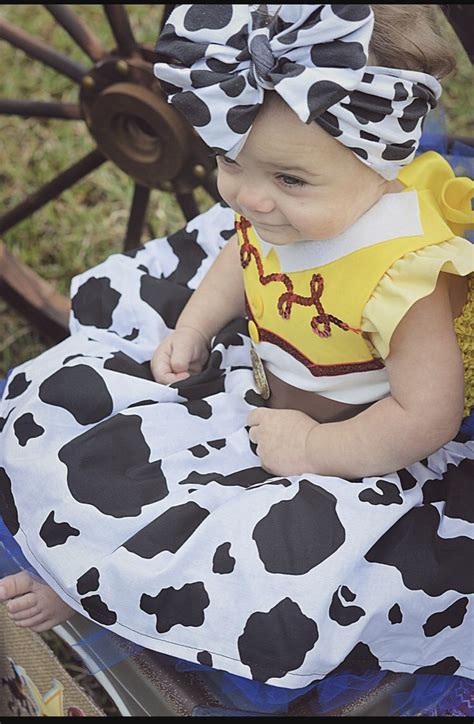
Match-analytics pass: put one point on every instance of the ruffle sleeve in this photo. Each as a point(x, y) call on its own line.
point(409, 279)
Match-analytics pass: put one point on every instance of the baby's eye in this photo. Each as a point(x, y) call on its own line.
point(224, 159)
point(291, 181)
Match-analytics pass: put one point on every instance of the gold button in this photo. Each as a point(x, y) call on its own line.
point(253, 331)
point(257, 305)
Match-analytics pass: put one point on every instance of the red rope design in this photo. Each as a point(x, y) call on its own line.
point(321, 323)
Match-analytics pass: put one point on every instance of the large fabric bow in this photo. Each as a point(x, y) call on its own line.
point(217, 61)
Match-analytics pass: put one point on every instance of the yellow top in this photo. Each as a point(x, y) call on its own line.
point(315, 322)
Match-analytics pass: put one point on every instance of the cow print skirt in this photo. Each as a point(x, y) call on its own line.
point(144, 506)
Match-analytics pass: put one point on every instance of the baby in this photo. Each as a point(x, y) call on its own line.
point(349, 265)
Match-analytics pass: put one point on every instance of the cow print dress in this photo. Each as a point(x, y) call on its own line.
point(144, 506)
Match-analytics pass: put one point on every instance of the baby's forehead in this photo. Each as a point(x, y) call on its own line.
point(279, 135)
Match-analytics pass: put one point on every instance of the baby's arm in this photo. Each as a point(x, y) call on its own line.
point(424, 410)
point(218, 299)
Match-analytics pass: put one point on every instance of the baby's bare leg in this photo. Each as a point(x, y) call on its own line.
point(31, 603)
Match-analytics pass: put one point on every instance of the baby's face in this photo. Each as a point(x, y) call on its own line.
point(293, 181)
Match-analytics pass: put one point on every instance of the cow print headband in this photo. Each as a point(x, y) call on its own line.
point(216, 61)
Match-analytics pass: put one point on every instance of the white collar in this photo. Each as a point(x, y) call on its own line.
point(393, 215)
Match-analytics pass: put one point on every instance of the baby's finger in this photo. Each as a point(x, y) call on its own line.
point(253, 434)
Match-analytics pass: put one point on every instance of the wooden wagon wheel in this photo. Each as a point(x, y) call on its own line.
point(131, 124)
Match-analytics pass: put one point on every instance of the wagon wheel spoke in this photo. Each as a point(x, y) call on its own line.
point(187, 205)
point(24, 289)
point(136, 221)
point(40, 109)
point(78, 31)
point(52, 189)
point(121, 29)
point(39, 50)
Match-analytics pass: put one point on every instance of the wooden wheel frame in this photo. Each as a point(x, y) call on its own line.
point(131, 124)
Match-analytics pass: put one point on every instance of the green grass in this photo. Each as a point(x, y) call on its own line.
point(88, 222)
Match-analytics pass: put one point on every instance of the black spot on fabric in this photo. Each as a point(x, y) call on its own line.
point(171, 607)
point(338, 54)
point(390, 494)
point(398, 151)
point(165, 297)
point(8, 509)
point(193, 108)
point(227, 233)
point(329, 123)
point(199, 451)
point(426, 561)
point(233, 87)
point(169, 89)
point(120, 362)
point(242, 478)
point(88, 582)
point(219, 66)
point(81, 391)
point(26, 428)
point(168, 532)
point(108, 468)
point(207, 17)
point(289, 69)
point(210, 381)
point(284, 482)
point(4, 420)
point(94, 302)
point(347, 594)
point(240, 118)
point(412, 113)
point(407, 480)
point(143, 268)
point(352, 13)
point(455, 489)
point(98, 611)
point(359, 152)
point(222, 561)
point(229, 338)
point(56, 534)
point(204, 658)
point(76, 356)
point(368, 78)
point(395, 614)
point(369, 136)
point(17, 386)
point(297, 535)
point(358, 660)
point(217, 444)
point(401, 93)
point(322, 95)
point(453, 616)
point(199, 408)
point(274, 643)
point(344, 615)
point(367, 108)
point(133, 335)
point(171, 47)
point(445, 667)
point(253, 398)
point(205, 78)
point(142, 403)
point(133, 253)
point(190, 255)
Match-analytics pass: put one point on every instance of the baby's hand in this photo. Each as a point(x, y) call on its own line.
point(281, 437)
point(183, 353)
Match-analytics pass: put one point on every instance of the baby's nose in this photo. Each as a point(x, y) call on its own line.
point(251, 198)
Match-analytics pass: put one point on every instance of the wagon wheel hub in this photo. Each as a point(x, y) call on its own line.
point(129, 118)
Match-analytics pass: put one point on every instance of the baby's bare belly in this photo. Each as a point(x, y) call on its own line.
point(321, 409)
